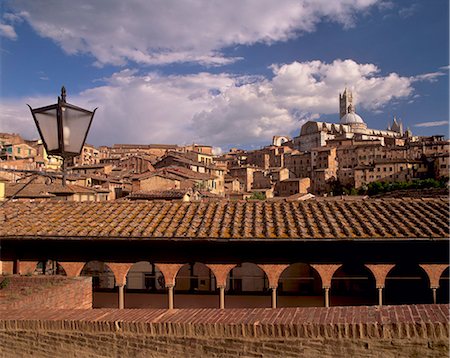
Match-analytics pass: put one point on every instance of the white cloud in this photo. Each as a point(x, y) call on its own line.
point(222, 110)
point(430, 77)
point(243, 115)
point(151, 108)
point(16, 117)
point(432, 124)
point(161, 32)
point(8, 31)
point(313, 86)
point(7, 24)
point(409, 11)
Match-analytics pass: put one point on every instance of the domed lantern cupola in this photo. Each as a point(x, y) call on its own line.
point(353, 119)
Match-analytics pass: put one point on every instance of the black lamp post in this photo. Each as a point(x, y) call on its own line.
point(63, 128)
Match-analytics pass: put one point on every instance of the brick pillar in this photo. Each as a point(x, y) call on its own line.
point(120, 271)
point(169, 272)
point(326, 272)
point(380, 272)
point(72, 269)
point(273, 273)
point(28, 267)
point(434, 272)
point(221, 272)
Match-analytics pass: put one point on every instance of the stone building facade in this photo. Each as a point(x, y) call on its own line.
point(351, 125)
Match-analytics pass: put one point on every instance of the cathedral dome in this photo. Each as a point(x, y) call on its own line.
point(351, 117)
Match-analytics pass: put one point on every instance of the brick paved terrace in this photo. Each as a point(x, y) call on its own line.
point(389, 331)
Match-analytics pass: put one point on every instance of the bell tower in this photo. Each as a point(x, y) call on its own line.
point(345, 100)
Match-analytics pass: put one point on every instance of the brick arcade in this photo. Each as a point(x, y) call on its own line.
point(376, 254)
point(382, 251)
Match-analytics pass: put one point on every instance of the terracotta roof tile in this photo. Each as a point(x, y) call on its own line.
point(369, 219)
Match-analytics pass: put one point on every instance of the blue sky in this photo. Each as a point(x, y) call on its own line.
point(225, 73)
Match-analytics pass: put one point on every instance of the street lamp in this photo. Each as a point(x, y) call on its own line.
point(63, 128)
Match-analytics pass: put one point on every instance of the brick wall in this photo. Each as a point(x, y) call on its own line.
point(390, 331)
point(45, 292)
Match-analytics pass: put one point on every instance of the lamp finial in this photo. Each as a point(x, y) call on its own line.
point(63, 94)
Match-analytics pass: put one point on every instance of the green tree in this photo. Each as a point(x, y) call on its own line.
point(257, 196)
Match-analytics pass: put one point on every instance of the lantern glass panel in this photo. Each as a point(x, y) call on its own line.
point(48, 127)
point(75, 127)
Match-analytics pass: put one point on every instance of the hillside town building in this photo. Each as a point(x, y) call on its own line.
point(321, 160)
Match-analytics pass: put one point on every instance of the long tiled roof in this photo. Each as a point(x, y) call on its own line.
point(158, 194)
point(370, 219)
point(36, 190)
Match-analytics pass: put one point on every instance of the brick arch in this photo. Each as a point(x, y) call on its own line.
point(443, 272)
point(434, 273)
point(194, 263)
point(261, 269)
point(273, 273)
point(72, 269)
point(116, 274)
point(326, 272)
point(221, 272)
point(296, 263)
point(169, 272)
point(134, 269)
point(348, 266)
point(380, 272)
point(120, 271)
point(353, 284)
point(418, 266)
point(405, 290)
point(444, 291)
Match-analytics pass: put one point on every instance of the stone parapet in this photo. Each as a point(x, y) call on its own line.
point(356, 322)
point(400, 331)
